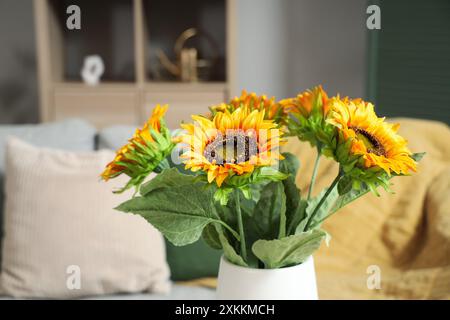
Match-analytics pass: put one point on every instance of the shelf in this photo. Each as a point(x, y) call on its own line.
point(165, 20)
point(106, 30)
point(103, 86)
point(186, 86)
point(127, 34)
point(149, 86)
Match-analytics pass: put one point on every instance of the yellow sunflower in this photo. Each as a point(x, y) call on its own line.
point(305, 102)
point(375, 140)
point(144, 152)
point(306, 118)
point(231, 144)
point(252, 101)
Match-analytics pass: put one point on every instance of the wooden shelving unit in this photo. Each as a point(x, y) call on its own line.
point(120, 33)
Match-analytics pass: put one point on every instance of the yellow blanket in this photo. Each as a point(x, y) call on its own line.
point(405, 236)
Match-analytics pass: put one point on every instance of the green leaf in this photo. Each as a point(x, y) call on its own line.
point(269, 173)
point(211, 236)
point(167, 178)
point(282, 230)
point(179, 212)
point(289, 164)
point(297, 218)
point(418, 156)
point(349, 197)
point(294, 205)
point(266, 215)
point(344, 185)
point(288, 251)
point(323, 211)
point(247, 192)
point(222, 195)
point(228, 249)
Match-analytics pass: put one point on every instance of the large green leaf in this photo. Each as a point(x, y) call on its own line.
point(344, 185)
point(211, 236)
point(299, 216)
point(295, 207)
point(167, 178)
point(228, 250)
point(321, 213)
point(289, 164)
point(348, 197)
point(292, 196)
point(266, 214)
point(179, 212)
point(288, 251)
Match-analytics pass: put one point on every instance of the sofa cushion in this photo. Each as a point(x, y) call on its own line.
point(114, 137)
point(71, 134)
point(63, 238)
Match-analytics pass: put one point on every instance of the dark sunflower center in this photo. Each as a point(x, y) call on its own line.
point(370, 141)
point(233, 147)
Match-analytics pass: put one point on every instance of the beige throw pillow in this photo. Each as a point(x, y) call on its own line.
point(63, 238)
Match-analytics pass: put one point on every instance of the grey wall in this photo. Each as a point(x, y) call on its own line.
point(286, 46)
point(262, 46)
point(327, 45)
point(18, 84)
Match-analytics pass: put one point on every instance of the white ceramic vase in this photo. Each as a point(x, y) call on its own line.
point(291, 283)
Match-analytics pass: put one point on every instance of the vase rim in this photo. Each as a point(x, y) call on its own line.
point(249, 269)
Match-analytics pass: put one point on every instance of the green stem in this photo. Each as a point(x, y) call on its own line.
point(241, 227)
point(325, 196)
point(314, 174)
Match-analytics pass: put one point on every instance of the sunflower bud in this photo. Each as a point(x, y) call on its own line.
point(144, 153)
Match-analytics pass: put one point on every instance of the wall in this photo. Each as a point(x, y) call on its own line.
point(261, 46)
point(18, 86)
point(327, 45)
point(285, 46)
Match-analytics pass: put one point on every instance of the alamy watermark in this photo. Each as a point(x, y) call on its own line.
point(73, 280)
point(73, 21)
point(374, 279)
point(373, 21)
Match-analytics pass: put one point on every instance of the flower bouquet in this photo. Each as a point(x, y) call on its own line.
point(223, 177)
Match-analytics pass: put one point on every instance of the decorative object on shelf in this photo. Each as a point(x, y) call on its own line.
point(188, 67)
point(93, 69)
point(235, 189)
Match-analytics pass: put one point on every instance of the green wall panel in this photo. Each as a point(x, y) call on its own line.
point(409, 59)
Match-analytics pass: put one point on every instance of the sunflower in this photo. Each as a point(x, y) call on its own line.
point(144, 153)
point(233, 147)
point(307, 113)
point(364, 136)
point(252, 101)
point(308, 102)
